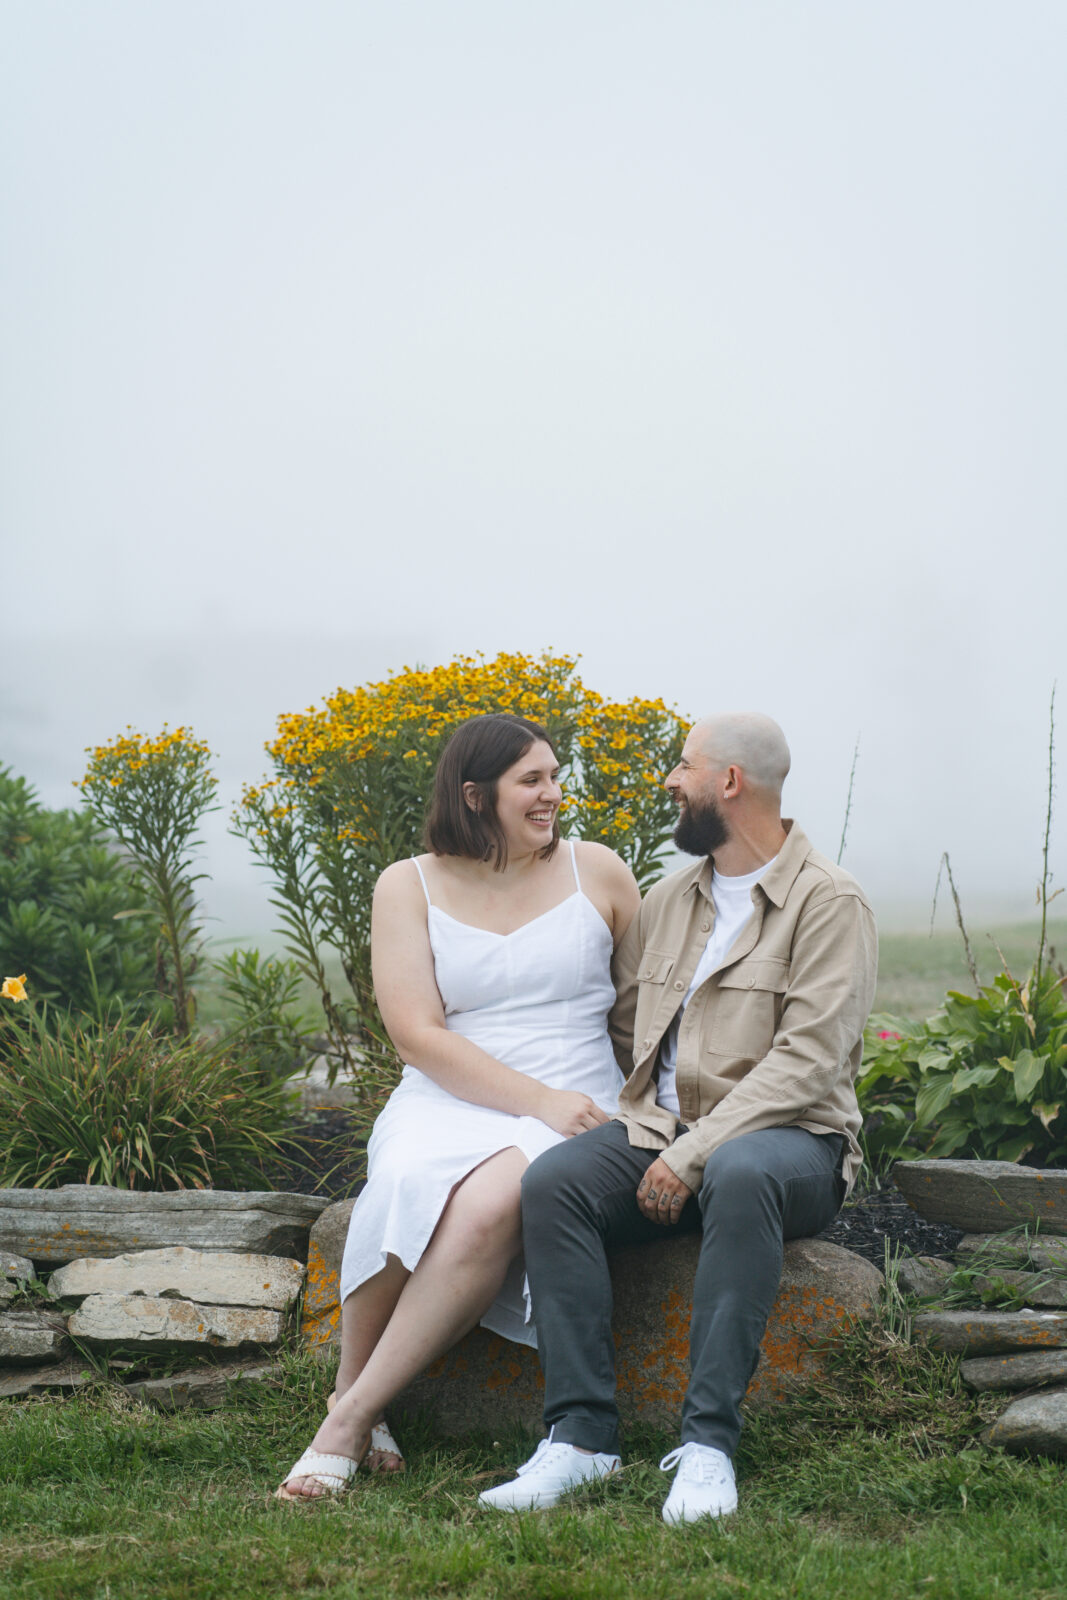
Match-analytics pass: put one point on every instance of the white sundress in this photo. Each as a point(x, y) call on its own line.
point(537, 1000)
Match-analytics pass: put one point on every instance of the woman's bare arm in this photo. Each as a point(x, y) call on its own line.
point(408, 998)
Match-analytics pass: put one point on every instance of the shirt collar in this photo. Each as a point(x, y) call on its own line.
point(780, 877)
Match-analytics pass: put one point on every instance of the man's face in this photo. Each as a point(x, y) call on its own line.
point(702, 828)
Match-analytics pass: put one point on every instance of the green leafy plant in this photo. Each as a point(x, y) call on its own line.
point(261, 995)
point(153, 793)
point(986, 1076)
point(93, 1102)
point(74, 918)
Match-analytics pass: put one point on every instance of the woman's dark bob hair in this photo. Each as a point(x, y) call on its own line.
point(478, 752)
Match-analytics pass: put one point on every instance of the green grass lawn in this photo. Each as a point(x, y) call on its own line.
point(914, 970)
point(871, 1487)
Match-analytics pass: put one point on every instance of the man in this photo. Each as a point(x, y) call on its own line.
point(743, 987)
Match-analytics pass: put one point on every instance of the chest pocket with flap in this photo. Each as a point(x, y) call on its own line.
point(745, 1013)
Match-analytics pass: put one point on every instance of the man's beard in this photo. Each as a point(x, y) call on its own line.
point(701, 828)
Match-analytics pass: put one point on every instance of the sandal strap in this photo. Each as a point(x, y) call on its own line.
point(333, 1472)
point(382, 1439)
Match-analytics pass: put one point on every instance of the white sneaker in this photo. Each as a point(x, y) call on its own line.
point(703, 1485)
point(546, 1477)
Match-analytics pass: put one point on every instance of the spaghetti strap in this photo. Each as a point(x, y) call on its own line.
point(422, 880)
point(574, 864)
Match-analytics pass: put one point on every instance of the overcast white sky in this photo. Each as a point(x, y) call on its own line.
point(722, 341)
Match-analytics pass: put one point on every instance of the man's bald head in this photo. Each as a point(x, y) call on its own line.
point(745, 739)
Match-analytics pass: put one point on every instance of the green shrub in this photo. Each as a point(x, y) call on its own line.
point(91, 1102)
point(73, 916)
point(986, 1076)
point(262, 997)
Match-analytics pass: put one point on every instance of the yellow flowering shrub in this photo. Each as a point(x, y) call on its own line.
point(351, 781)
point(152, 793)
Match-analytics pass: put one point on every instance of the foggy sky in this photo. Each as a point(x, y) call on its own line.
point(723, 343)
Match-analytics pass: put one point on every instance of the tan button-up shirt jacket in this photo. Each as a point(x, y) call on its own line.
point(773, 1038)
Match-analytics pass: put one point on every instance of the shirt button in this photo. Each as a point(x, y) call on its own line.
point(705, 927)
point(678, 984)
point(646, 1044)
point(752, 983)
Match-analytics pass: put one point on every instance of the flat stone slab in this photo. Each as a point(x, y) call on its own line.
point(210, 1277)
point(28, 1338)
point(167, 1324)
point(1017, 1250)
point(1032, 1287)
point(1035, 1424)
point(984, 1196)
point(203, 1388)
point(1029, 1369)
point(20, 1383)
point(988, 1333)
point(486, 1379)
point(78, 1219)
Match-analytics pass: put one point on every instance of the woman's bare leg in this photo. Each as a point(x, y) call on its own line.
point(364, 1317)
point(455, 1282)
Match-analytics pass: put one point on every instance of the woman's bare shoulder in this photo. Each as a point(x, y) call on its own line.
point(399, 883)
point(603, 863)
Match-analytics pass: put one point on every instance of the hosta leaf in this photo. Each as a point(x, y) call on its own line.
point(1028, 1071)
point(932, 1099)
point(1046, 1114)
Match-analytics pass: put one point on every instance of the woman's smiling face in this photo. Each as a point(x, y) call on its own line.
point(528, 797)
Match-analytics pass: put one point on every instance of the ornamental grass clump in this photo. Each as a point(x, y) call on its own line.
point(152, 793)
point(351, 782)
point(83, 1101)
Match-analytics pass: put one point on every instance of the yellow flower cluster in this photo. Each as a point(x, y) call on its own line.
point(128, 753)
point(419, 705)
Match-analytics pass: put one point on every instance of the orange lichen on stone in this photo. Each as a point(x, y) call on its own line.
point(322, 1311)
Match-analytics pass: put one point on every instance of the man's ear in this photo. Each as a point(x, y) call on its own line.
point(733, 783)
point(472, 796)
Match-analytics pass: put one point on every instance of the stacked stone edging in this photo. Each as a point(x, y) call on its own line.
point(178, 1273)
point(1024, 1349)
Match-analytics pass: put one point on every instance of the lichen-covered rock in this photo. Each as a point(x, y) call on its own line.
point(209, 1277)
point(1035, 1424)
point(486, 1379)
point(987, 1333)
point(1026, 1369)
point(28, 1338)
point(166, 1324)
point(203, 1388)
point(321, 1324)
point(984, 1196)
point(60, 1225)
point(924, 1276)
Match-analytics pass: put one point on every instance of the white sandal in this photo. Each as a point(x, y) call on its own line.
point(383, 1444)
point(334, 1473)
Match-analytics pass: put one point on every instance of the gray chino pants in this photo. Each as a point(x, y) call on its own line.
point(580, 1197)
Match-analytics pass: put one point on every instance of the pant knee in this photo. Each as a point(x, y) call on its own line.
point(735, 1176)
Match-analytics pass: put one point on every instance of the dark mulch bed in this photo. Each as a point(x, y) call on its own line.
point(324, 1155)
point(872, 1217)
point(327, 1158)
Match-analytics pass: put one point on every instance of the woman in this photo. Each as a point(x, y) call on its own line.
point(491, 960)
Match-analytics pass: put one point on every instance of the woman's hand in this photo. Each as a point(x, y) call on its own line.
point(568, 1112)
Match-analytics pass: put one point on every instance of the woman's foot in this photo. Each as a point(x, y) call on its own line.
point(317, 1475)
point(328, 1465)
point(384, 1453)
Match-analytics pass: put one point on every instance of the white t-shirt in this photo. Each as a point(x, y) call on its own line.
point(732, 898)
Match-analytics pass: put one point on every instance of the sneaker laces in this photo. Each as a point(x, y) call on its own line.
point(696, 1463)
point(546, 1451)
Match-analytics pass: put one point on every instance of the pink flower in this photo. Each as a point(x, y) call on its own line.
point(884, 1033)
